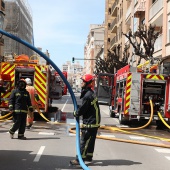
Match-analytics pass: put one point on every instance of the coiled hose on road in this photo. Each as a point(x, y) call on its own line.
point(125, 130)
point(65, 81)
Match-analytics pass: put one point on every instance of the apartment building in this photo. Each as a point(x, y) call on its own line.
point(2, 24)
point(122, 15)
point(94, 44)
point(19, 22)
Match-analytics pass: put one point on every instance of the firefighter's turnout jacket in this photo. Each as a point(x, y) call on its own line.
point(89, 110)
point(20, 102)
point(33, 94)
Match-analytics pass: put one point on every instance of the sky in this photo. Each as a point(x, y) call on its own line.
point(62, 26)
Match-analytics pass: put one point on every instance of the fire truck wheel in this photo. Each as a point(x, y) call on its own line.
point(123, 120)
point(112, 114)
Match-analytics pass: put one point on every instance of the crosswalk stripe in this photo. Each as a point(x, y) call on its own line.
point(167, 157)
point(162, 150)
point(107, 136)
point(72, 134)
point(45, 133)
point(137, 137)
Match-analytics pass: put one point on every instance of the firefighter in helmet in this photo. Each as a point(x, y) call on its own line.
point(34, 100)
point(19, 103)
point(90, 112)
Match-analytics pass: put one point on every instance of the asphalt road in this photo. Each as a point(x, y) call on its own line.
point(51, 146)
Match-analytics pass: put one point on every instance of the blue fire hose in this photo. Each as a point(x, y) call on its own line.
point(65, 81)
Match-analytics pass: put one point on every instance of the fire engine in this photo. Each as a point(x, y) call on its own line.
point(63, 85)
point(128, 91)
point(43, 78)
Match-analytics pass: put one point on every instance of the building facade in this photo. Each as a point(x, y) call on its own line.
point(74, 73)
point(19, 23)
point(2, 24)
point(94, 43)
point(121, 15)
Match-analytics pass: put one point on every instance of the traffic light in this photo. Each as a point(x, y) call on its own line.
point(73, 60)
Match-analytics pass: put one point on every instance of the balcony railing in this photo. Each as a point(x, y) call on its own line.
point(113, 25)
point(128, 12)
point(114, 9)
point(113, 41)
point(158, 43)
point(139, 7)
point(155, 8)
point(135, 2)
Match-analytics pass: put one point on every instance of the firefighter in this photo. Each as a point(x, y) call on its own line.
point(90, 112)
point(2, 89)
point(34, 100)
point(19, 103)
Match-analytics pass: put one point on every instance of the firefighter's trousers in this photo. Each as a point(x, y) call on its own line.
point(19, 123)
point(87, 142)
point(30, 117)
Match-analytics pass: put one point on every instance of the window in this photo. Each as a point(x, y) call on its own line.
point(135, 27)
point(109, 11)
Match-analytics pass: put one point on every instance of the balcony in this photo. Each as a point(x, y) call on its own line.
point(2, 5)
point(158, 43)
point(114, 9)
point(128, 12)
point(113, 42)
point(139, 8)
point(114, 26)
point(155, 8)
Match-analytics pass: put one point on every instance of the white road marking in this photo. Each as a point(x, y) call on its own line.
point(105, 112)
point(64, 105)
point(121, 126)
point(162, 150)
point(137, 137)
point(72, 134)
point(45, 133)
point(167, 157)
point(37, 158)
point(116, 120)
point(112, 136)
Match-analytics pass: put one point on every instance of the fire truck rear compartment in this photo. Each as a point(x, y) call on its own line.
point(24, 73)
point(156, 91)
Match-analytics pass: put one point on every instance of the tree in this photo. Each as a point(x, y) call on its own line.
point(112, 62)
point(143, 41)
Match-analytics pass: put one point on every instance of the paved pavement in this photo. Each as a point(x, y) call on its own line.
point(61, 145)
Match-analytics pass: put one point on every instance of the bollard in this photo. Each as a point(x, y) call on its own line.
point(59, 115)
point(63, 116)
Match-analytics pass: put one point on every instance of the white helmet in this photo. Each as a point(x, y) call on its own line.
point(28, 81)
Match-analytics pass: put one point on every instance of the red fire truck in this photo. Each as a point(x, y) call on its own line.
point(129, 90)
point(43, 79)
